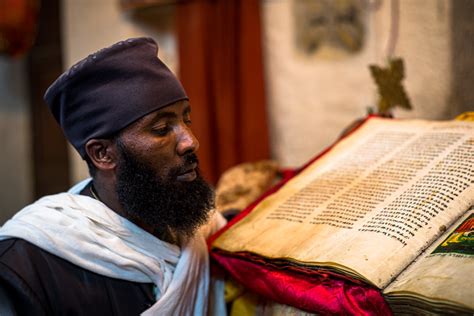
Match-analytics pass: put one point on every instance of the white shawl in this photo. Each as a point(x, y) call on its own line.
point(86, 232)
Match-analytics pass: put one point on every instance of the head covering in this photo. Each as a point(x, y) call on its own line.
point(110, 89)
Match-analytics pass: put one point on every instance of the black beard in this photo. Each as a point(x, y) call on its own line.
point(162, 203)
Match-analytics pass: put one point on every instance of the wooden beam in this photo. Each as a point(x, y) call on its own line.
point(50, 153)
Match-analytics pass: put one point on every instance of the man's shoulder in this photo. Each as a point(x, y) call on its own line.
point(6, 245)
point(16, 252)
point(38, 280)
point(22, 261)
point(9, 247)
point(18, 277)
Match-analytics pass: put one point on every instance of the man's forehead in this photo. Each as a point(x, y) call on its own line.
point(178, 108)
point(173, 110)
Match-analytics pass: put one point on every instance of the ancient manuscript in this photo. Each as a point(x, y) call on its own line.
point(369, 206)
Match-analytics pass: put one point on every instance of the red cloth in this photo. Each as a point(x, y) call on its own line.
point(307, 289)
point(221, 69)
point(315, 291)
point(18, 22)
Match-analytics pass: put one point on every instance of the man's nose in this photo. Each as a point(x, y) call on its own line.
point(187, 142)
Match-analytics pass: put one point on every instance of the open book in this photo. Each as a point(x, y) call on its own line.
point(388, 205)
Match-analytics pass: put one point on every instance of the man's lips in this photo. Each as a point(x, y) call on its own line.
point(189, 174)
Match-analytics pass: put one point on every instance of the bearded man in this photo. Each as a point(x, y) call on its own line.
point(130, 240)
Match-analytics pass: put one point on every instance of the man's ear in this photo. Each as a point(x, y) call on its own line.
point(102, 153)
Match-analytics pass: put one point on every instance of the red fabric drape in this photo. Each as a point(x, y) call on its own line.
point(18, 22)
point(222, 71)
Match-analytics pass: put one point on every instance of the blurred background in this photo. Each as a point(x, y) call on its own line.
point(268, 79)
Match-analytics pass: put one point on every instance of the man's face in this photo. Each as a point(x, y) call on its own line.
point(163, 139)
point(158, 180)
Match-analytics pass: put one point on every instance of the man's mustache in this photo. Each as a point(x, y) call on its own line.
point(188, 162)
point(190, 159)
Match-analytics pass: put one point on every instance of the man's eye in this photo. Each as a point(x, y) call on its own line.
point(161, 131)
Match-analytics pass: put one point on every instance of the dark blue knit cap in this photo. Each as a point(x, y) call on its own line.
point(110, 89)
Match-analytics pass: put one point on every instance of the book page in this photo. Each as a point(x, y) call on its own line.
point(446, 270)
point(371, 204)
